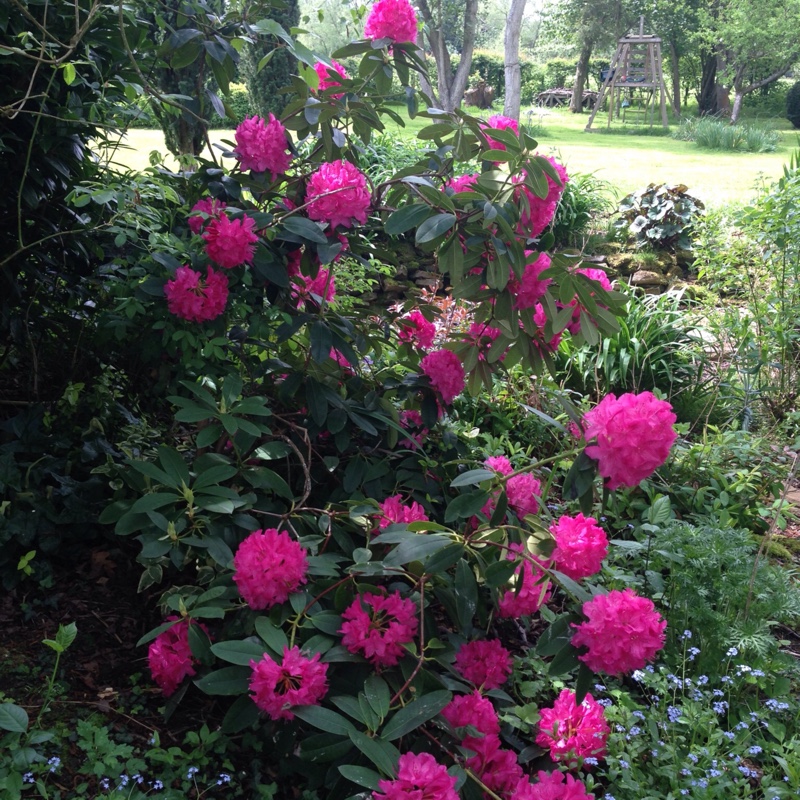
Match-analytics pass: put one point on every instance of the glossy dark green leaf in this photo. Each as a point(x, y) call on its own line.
point(415, 714)
point(434, 227)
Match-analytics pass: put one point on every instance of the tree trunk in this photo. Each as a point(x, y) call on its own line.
point(513, 78)
point(740, 89)
point(581, 73)
point(675, 62)
point(451, 86)
point(707, 100)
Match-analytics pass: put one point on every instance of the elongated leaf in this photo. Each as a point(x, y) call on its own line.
point(406, 218)
point(416, 549)
point(240, 652)
point(225, 681)
point(434, 227)
point(13, 718)
point(473, 477)
point(382, 754)
point(305, 228)
point(360, 775)
point(324, 719)
point(416, 713)
point(273, 636)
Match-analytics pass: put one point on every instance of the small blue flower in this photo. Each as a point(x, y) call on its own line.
point(191, 772)
point(638, 714)
point(718, 693)
point(605, 702)
point(686, 772)
point(730, 735)
point(702, 680)
point(158, 785)
point(104, 784)
point(720, 707)
point(732, 652)
point(624, 764)
point(123, 780)
point(28, 777)
point(635, 730)
point(684, 791)
point(609, 797)
point(726, 679)
point(598, 687)
point(673, 713)
point(223, 778)
point(590, 760)
point(693, 758)
point(714, 773)
point(654, 753)
point(758, 673)
point(138, 778)
point(754, 750)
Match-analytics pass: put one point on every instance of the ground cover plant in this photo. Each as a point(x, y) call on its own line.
point(382, 550)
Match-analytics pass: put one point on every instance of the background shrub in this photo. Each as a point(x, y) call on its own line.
point(793, 105)
point(717, 134)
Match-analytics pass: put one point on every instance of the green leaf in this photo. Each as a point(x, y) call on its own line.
point(565, 660)
point(66, 635)
point(499, 573)
point(444, 559)
point(151, 502)
point(434, 227)
point(415, 714)
point(324, 719)
point(241, 715)
point(174, 465)
point(225, 681)
point(304, 228)
point(473, 477)
point(361, 776)
point(240, 652)
point(377, 693)
point(382, 754)
point(416, 549)
point(465, 506)
point(406, 218)
point(13, 718)
point(466, 594)
point(273, 636)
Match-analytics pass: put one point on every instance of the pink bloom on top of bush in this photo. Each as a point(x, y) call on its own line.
point(581, 546)
point(324, 286)
point(194, 298)
point(552, 786)
point(338, 193)
point(205, 205)
point(523, 493)
point(573, 732)
point(622, 632)
point(462, 183)
point(499, 464)
point(170, 657)
point(501, 123)
point(554, 190)
point(414, 327)
point(535, 590)
point(394, 510)
point(496, 766)
point(633, 435)
point(484, 663)
point(446, 373)
point(419, 777)
point(531, 288)
point(377, 626)
point(231, 242)
point(261, 145)
point(475, 710)
point(268, 566)
point(327, 77)
point(297, 680)
point(391, 19)
point(535, 213)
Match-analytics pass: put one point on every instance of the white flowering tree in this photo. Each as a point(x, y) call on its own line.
point(333, 559)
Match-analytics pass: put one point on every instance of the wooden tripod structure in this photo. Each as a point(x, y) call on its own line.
point(636, 65)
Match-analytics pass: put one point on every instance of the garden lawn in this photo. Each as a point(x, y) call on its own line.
point(627, 160)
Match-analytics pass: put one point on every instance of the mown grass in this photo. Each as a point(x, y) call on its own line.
point(628, 158)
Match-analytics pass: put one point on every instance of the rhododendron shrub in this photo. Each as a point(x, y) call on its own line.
point(573, 731)
point(324, 503)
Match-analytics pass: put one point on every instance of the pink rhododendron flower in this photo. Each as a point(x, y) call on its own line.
point(499, 464)
point(573, 732)
point(391, 19)
point(524, 601)
point(483, 335)
point(581, 546)
point(552, 786)
point(419, 777)
point(501, 123)
point(324, 286)
point(297, 681)
point(205, 205)
point(268, 566)
point(531, 288)
point(446, 373)
point(378, 626)
point(493, 764)
point(593, 274)
point(338, 193)
point(523, 493)
point(622, 632)
point(415, 328)
point(231, 242)
point(475, 710)
point(462, 183)
point(484, 663)
point(555, 190)
point(327, 77)
point(633, 435)
point(535, 213)
point(539, 340)
point(170, 657)
point(194, 298)
point(394, 510)
point(261, 145)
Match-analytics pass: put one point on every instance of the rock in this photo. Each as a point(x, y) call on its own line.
point(608, 248)
point(622, 263)
point(648, 277)
point(685, 258)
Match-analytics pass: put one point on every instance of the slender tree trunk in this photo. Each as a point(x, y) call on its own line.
point(513, 77)
point(707, 100)
point(740, 90)
point(581, 73)
point(675, 63)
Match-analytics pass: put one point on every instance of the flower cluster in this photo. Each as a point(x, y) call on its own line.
point(261, 145)
point(415, 328)
point(391, 19)
point(170, 657)
point(531, 288)
point(297, 681)
point(524, 492)
point(501, 123)
point(323, 286)
point(394, 510)
point(419, 777)
point(463, 182)
point(524, 600)
point(572, 732)
point(581, 546)
point(194, 298)
point(337, 193)
point(327, 77)
point(446, 373)
point(484, 663)
point(378, 626)
point(268, 566)
point(552, 786)
point(208, 206)
point(633, 435)
point(231, 242)
point(623, 632)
